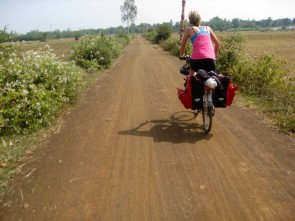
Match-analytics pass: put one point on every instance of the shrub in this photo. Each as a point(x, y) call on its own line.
point(95, 52)
point(7, 37)
point(123, 38)
point(173, 46)
point(163, 32)
point(150, 35)
point(262, 77)
point(258, 75)
point(230, 51)
point(32, 88)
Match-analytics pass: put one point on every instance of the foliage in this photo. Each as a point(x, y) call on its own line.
point(220, 24)
point(128, 12)
point(4, 36)
point(262, 77)
point(150, 34)
point(34, 85)
point(32, 88)
point(123, 38)
point(6, 49)
point(95, 52)
point(259, 75)
point(163, 32)
point(231, 48)
point(7, 37)
point(173, 46)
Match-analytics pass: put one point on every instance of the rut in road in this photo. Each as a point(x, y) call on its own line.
point(130, 151)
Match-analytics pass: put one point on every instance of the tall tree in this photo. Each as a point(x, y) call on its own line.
point(128, 12)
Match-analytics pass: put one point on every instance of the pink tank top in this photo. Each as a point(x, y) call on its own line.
point(202, 46)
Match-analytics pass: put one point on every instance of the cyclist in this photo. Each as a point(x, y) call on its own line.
point(204, 53)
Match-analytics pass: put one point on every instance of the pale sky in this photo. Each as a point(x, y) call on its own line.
point(22, 16)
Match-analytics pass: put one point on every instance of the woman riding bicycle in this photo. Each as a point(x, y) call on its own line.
point(204, 53)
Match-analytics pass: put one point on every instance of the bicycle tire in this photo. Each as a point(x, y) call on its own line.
point(207, 114)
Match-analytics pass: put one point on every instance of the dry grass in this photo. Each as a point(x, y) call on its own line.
point(61, 47)
point(281, 44)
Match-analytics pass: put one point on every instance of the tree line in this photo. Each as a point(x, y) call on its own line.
point(219, 24)
point(216, 23)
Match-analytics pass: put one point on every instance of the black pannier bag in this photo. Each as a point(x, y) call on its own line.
point(219, 94)
point(197, 93)
point(219, 98)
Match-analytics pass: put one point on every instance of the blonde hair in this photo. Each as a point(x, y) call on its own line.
point(194, 18)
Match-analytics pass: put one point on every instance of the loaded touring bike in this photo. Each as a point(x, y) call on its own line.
point(204, 92)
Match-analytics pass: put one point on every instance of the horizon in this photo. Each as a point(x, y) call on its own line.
point(50, 15)
point(64, 30)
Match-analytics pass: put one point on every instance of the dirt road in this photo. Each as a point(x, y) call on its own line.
point(130, 151)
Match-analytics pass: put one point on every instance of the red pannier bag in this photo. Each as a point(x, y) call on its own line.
point(231, 93)
point(185, 96)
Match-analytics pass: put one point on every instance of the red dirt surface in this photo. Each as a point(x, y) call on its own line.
point(130, 151)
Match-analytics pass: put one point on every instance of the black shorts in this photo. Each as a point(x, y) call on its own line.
point(205, 64)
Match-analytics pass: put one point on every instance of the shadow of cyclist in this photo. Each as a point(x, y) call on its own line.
point(177, 129)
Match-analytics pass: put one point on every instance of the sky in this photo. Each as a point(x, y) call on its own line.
point(22, 16)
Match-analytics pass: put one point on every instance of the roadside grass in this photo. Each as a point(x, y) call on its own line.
point(277, 102)
point(15, 148)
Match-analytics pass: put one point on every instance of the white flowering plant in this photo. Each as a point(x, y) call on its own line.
point(33, 86)
point(96, 52)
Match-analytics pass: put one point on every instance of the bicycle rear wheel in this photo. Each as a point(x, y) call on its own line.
point(207, 114)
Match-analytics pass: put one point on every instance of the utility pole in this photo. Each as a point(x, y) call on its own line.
point(182, 21)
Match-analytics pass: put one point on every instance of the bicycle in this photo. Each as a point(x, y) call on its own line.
point(207, 108)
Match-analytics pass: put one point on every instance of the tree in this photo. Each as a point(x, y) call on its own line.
point(236, 23)
point(286, 22)
point(129, 12)
point(4, 36)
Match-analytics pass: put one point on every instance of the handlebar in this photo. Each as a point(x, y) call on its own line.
point(186, 67)
point(185, 57)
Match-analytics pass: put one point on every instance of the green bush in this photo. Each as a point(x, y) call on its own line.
point(5, 36)
point(123, 38)
point(262, 77)
point(95, 52)
point(171, 45)
point(32, 88)
point(163, 32)
point(230, 51)
point(258, 75)
point(150, 35)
